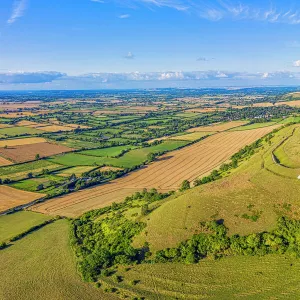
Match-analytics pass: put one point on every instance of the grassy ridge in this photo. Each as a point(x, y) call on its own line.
point(251, 278)
point(41, 266)
point(288, 153)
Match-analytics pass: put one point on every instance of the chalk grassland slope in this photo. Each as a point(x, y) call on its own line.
point(288, 153)
point(253, 190)
point(42, 266)
point(23, 153)
point(18, 142)
point(166, 174)
point(11, 197)
point(240, 277)
point(4, 162)
point(16, 223)
point(218, 127)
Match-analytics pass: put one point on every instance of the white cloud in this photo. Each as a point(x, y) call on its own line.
point(29, 77)
point(187, 76)
point(129, 55)
point(19, 8)
point(178, 77)
point(126, 16)
point(297, 63)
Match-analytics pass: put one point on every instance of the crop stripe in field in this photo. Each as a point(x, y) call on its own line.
point(160, 164)
point(70, 202)
point(183, 159)
point(179, 166)
point(216, 162)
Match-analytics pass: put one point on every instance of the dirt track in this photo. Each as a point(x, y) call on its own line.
point(165, 174)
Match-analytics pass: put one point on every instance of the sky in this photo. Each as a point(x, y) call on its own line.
point(95, 44)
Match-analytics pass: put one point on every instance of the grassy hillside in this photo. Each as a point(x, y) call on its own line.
point(42, 266)
point(259, 187)
point(251, 278)
point(14, 224)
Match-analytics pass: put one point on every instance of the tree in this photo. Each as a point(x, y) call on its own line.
point(37, 156)
point(40, 187)
point(145, 210)
point(185, 185)
point(30, 175)
point(151, 157)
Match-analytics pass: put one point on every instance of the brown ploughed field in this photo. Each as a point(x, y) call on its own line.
point(23, 153)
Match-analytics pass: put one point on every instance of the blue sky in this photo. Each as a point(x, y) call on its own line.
point(69, 44)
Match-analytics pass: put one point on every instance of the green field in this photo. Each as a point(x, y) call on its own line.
point(108, 152)
point(295, 119)
point(78, 144)
point(132, 158)
point(26, 167)
point(13, 131)
point(14, 224)
point(31, 185)
point(78, 171)
point(253, 126)
point(42, 266)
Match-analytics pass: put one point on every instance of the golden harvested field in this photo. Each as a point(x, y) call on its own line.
point(191, 136)
point(11, 115)
point(54, 128)
point(165, 174)
point(140, 108)
point(78, 171)
point(18, 142)
point(205, 110)
point(4, 162)
point(27, 123)
point(77, 125)
point(263, 104)
point(218, 127)
point(5, 126)
point(23, 153)
point(14, 105)
point(11, 197)
point(105, 169)
point(295, 103)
